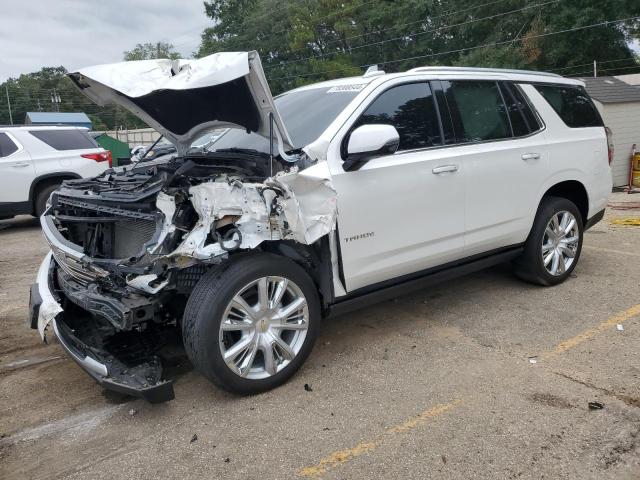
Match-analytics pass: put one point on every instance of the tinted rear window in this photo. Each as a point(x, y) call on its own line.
point(65, 139)
point(7, 147)
point(523, 120)
point(572, 104)
point(477, 110)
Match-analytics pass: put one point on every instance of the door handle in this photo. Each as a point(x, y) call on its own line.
point(20, 164)
point(445, 169)
point(530, 156)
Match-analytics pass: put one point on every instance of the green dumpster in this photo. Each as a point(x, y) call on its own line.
point(119, 150)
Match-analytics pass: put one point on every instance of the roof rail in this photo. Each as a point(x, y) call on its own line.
point(23, 125)
point(485, 70)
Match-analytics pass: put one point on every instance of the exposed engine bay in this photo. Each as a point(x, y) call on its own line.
point(150, 231)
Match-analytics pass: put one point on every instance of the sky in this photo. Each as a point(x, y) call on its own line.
point(79, 33)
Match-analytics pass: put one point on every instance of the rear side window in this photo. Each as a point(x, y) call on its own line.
point(7, 146)
point(572, 104)
point(65, 139)
point(523, 120)
point(477, 110)
point(411, 110)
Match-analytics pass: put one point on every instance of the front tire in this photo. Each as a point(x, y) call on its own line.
point(553, 247)
point(249, 324)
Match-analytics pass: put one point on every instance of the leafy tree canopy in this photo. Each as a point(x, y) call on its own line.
point(305, 41)
point(148, 51)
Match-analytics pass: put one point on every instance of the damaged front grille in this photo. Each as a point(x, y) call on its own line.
point(73, 267)
point(105, 231)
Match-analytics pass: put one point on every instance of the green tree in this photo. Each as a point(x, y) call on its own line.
point(304, 41)
point(148, 51)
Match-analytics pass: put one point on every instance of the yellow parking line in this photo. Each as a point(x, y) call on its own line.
point(337, 458)
point(340, 457)
point(590, 333)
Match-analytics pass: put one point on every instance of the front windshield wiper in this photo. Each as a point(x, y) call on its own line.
point(250, 151)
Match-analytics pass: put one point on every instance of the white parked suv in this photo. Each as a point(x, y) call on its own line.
point(326, 198)
point(34, 160)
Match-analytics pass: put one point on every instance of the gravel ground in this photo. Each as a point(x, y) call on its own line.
point(436, 384)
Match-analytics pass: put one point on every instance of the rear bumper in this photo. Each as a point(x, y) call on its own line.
point(124, 362)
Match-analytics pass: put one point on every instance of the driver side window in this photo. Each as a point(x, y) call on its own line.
point(411, 110)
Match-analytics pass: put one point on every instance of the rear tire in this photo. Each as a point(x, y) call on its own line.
point(553, 247)
point(250, 323)
point(41, 198)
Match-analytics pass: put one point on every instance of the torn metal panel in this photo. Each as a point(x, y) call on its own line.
point(291, 206)
point(143, 283)
point(309, 203)
point(167, 205)
point(213, 201)
point(49, 307)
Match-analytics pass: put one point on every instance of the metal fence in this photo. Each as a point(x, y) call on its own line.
point(140, 136)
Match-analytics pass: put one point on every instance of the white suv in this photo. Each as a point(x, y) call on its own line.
point(316, 202)
point(34, 161)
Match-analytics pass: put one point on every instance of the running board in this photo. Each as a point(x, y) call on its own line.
point(420, 280)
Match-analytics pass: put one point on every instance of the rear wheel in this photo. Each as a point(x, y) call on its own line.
point(553, 248)
point(42, 196)
point(250, 325)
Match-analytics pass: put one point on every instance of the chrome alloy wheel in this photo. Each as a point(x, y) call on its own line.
point(264, 327)
point(560, 243)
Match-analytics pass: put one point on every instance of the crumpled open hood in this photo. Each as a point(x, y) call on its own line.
point(182, 99)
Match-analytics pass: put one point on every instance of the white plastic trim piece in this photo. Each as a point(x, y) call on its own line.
point(49, 307)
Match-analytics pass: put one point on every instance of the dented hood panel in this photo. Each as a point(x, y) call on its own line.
point(182, 99)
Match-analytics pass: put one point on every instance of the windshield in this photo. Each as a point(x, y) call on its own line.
point(306, 114)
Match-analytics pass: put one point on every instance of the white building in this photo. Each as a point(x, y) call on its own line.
point(618, 99)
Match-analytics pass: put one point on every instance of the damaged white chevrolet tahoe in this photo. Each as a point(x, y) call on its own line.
point(331, 196)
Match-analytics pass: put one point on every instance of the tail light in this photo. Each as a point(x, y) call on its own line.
point(99, 157)
point(609, 143)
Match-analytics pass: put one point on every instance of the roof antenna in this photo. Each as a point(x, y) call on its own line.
point(373, 71)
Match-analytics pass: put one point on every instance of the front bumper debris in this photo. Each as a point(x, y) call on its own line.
point(125, 362)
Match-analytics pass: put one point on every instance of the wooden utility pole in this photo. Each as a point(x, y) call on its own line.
point(6, 89)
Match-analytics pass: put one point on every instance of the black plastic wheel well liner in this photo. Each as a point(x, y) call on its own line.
point(314, 258)
point(575, 192)
point(49, 179)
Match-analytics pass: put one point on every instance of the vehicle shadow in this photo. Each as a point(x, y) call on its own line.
point(22, 222)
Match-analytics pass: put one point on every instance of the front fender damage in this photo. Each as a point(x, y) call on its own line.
point(236, 215)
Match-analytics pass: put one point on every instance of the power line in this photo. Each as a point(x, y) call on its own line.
point(580, 74)
point(415, 34)
point(459, 50)
point(591, 63)
point(429, 19)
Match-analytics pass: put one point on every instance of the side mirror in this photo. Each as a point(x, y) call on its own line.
point(370, 141)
